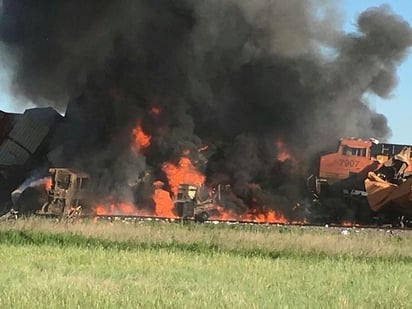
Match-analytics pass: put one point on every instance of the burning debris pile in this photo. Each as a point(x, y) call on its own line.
point(233, 93)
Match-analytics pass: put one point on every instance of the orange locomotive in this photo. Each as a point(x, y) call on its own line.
point(354, 158)
point(344, 173)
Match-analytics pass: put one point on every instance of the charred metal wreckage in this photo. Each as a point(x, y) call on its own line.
point(62, 194)
point(29, 144)
point(361, 181)
point(194, 202)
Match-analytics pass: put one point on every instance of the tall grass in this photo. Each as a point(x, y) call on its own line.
point(49, 276)
point(327, 240)
point(46, 264)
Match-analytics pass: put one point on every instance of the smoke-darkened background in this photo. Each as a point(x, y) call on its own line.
point(235, 75)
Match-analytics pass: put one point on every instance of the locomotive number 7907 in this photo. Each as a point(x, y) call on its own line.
point(348, 163)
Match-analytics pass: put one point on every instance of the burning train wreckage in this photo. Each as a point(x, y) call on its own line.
point(210, 110)
point(358, 181)
point(33, 141)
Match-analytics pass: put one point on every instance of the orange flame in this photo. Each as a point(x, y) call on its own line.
point(252, 215)
point(283, 153)
point(119, 209)
point(48, 184)
point(163, 203)
point(347, 223)
point(163, 206)
point(141, 139)
point(99, 210)
point(183, 172)
point(155, 110)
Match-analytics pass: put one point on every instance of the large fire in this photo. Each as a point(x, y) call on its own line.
point(252, 215)
point(185, 172)
point(163, 202)
point(182, 172)
point(118, 208)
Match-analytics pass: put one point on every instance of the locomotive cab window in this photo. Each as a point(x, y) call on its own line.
point(350, 151)
point(63, 180)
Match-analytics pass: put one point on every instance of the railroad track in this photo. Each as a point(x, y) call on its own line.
point(131, 218)
point(137, 218)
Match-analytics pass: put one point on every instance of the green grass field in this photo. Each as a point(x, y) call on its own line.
point(45, 264)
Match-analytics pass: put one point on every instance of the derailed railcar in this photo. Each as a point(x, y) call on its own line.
point(68, 193)
point(24, 145)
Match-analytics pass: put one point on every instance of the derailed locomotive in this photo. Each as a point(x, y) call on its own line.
point(194, 202)
point(64, 194)
point(364, 181)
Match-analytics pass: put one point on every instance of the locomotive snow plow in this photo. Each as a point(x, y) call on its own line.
point(390, 186)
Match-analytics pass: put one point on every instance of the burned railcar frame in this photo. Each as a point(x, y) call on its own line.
point(69, 192)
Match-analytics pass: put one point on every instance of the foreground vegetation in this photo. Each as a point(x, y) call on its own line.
point(45, 264)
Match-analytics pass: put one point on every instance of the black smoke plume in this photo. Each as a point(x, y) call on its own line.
point(235, 75)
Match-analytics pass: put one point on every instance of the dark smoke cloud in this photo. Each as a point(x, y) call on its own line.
point(235, 75)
